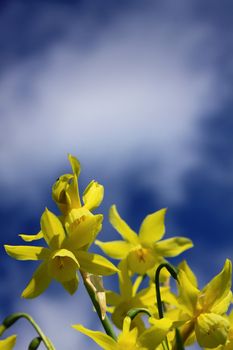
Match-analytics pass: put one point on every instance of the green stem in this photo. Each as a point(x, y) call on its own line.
point(134, 312)
point(10, 320)
point(106, 323)
point(173, 273)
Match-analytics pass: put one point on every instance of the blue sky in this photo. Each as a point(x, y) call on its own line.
point(141, 93)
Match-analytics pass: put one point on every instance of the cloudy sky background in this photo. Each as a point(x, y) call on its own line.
point(141, 93)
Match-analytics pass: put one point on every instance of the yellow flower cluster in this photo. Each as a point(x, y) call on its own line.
point(188, 316)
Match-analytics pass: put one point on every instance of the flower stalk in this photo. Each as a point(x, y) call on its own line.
point(106, 323)
point(10, 320)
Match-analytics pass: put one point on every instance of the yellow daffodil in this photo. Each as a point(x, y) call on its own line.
point(65, 193)
point(204, 310)
point(229, 342)
point(144, 251)
point(129, 339)
point(129, 298)
point(65, 255)
point(8, 343)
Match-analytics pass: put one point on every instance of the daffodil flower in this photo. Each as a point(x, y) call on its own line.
point(65, 255)
point(144, 251)
point(129, 298)
point(65, 193)
point(8, 343)
point(204, 310)
point(128, 338)
point(229, 342)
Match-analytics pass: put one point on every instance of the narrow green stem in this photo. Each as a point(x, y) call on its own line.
point(134, 312)
point(173, 273)
point(105, 322)
point(10, 320)
point(179, 341)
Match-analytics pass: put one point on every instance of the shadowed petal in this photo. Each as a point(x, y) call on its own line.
point(95, 264)
point(39, 282)
point(72, 285)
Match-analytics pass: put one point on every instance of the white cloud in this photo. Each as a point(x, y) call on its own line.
point(135, 93)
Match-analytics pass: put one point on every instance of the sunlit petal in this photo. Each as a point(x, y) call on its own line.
point(172, 246)
point(30, 238)
point(218, 288)
point(152, 228)
point(121, 226)
point(52, 228)
point(115, 249)
point(27, 252)
point(103, 340)
point(153, 336)
point(8, 343)
point(83, 230)
point(93, 195)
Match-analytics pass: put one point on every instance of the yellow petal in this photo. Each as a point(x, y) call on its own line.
point(189, 273)
point(121, 226)
point(39, 282)
point(52, 228)
point(125, 284)
point(93, 195)
point(30, 238)
point(128, 338)
point(154, 336)
point(113, 298)
point(8, 343)
point(115, 249)
point(75, 165)
point(65, 193)
point(172, 246)
point(188, 294)
point(72, 285)
point(63, 265)
point(147, 296)
point(22, 252)
point(103, 340)
point(95, 264)
point(152, 228)
point(211, 330)
point(83, 231)
point(218, 288)
point(222, 306)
